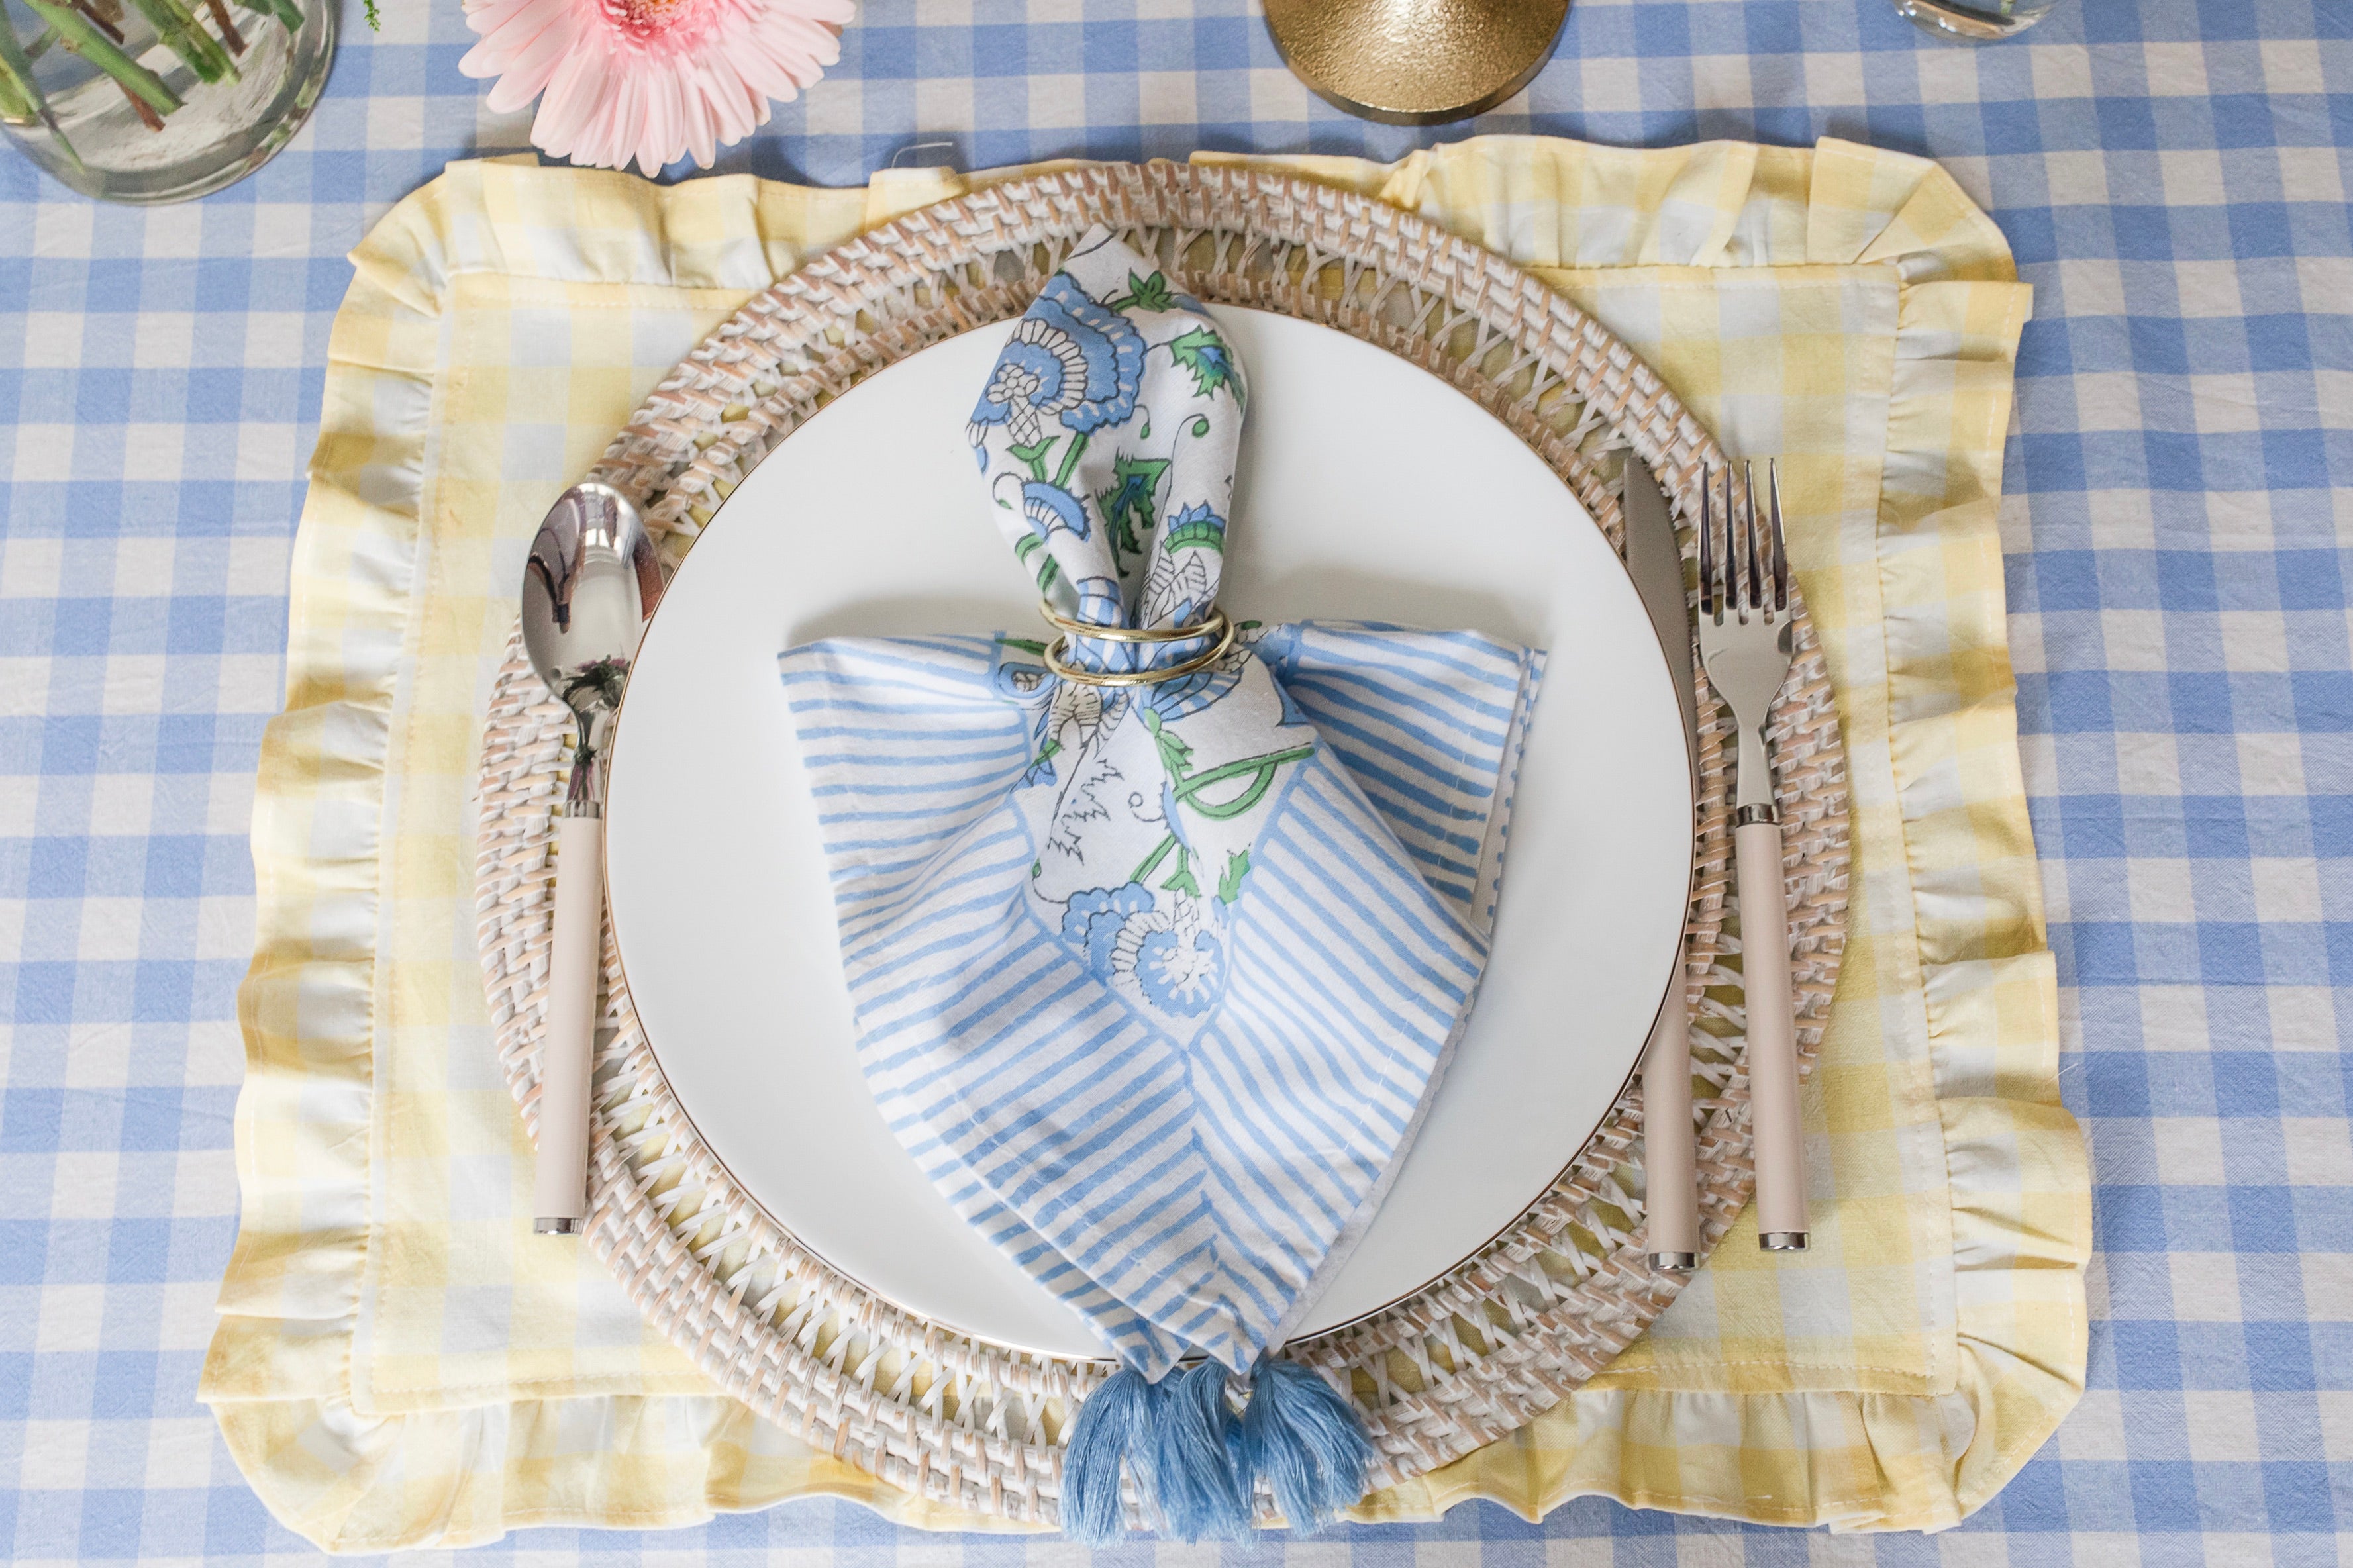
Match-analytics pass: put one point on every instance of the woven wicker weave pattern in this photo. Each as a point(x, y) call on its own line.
point(976, 1426)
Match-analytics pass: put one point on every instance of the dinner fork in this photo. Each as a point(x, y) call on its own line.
point(1745, 638)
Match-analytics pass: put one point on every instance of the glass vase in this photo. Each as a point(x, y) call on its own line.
point(122, 142)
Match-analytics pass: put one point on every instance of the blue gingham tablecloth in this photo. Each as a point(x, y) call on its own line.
point(2174, 179)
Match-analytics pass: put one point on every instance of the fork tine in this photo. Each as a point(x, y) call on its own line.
point(1781, 539)
point(1751, 589)
point(1734, 582)
point(1731, 544)
point(1706, 549)
point(1728, 564)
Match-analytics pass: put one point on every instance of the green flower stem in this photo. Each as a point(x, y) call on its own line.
point(288, 13)
point(1151, 862)
point(23, 98)
point(187, 40)
point(82, 38)
point(1263, 767)
point(187, 11)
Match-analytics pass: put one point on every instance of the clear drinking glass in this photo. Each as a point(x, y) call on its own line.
point(1975, 21)
point(223, 130)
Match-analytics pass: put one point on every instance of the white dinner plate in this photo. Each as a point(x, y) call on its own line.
point(1369, 490)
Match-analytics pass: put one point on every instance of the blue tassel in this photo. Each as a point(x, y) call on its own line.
point(1305, 1441)
point(1200, 1493)
point(1181, 1440)
point(1117, 1421)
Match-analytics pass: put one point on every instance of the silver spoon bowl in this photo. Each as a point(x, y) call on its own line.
point(592, 580)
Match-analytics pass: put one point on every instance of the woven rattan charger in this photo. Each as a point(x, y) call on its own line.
point(975, 1425)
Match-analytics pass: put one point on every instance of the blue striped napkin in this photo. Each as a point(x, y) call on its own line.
point(1156, 980)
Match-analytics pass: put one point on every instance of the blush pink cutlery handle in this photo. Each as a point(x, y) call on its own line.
point(1772, 1041)
point(561, 1202)
point(1670, 1148)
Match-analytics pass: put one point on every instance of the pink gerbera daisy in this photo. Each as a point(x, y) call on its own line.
point(652, 80)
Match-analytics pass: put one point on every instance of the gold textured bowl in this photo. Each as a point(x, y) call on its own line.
point(1415, 62)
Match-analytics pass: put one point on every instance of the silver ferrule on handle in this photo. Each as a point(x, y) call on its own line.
point(584, 790)
point(580, 799)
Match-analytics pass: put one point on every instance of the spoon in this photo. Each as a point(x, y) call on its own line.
point(591, 581)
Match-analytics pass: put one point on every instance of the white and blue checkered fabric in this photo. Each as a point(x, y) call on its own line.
point(2173, 176)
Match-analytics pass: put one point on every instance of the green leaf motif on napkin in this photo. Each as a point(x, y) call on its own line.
point(1128, 506)
point(1230, 886)
point(1194, 527)
point(1175, 754)
point(1048, 569)
point(1034, 454)
point(1203, 352)
point(1144, 294)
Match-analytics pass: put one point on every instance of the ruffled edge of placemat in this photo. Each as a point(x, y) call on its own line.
point(278, 1374)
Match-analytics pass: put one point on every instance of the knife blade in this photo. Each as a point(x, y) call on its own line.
point(1656, 565)
point(1670, 1153)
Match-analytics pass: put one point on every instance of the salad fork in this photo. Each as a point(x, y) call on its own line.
point(1745, 638)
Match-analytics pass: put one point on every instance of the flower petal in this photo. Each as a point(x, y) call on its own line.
point(650, 86)
point(569, 106)
point(488, 19)
point(658, 132)
point(530, 71)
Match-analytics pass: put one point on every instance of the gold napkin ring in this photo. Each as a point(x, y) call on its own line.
point(1217, 624)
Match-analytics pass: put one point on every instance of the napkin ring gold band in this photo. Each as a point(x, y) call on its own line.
point(1217, 624)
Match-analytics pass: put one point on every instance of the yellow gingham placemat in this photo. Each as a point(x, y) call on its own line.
point(398, 1365)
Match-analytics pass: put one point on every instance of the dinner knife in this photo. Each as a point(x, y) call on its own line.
point(1670, 1150)
point(1656, 563)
